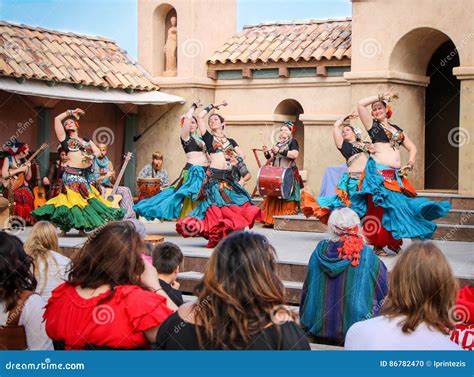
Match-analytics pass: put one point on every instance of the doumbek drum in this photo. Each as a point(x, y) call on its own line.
point(275, 181)
point(148, 187)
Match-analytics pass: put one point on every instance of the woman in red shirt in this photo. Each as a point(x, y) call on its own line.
point(105, 304)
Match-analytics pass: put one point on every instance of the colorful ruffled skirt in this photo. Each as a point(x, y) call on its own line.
point(79, 205)
point(177, 200)
point(24, 203)
point(391, 209)
point(274, 206)
point(322, 207)
point(224, 206)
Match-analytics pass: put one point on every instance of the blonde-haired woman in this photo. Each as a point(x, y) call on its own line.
point(50, 266)
point(416, 314)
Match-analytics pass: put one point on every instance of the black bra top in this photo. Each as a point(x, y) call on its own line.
point(348, 150)
point(70, 144)
point(214, 147)
point(191, 145)
point(378, 134)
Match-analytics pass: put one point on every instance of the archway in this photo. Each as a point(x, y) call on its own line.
point(430, 52)
point(290, 109)
point(161, 22)
point(442, 120)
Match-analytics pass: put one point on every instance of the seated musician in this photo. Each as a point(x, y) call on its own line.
point(105, 178)
point(16, 167)
point(53, 181)
point(155, 170)
point(283, 155)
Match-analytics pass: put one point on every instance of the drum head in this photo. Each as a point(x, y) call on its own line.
point(287, 183)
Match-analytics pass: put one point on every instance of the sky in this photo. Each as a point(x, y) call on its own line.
point(117, 19)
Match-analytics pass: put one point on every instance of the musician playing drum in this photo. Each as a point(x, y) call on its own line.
point(283, 155)
point(153, 171)
point(16, 167)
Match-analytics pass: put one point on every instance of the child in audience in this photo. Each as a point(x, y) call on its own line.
point(167, 258)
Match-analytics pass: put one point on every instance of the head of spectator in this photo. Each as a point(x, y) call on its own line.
point(42, 240)
point(16, 272)
point(239, 292)
point(422, 289)
point(21, 311)
point(345, 281)
point(167, 259)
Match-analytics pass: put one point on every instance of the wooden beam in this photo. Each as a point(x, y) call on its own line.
point(43, 102)
point(247, 73)
point(283, 72)
point(212, 74)
point(321, 71)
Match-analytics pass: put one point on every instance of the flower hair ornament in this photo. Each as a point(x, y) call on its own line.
point(290, 125)
point(352, 244)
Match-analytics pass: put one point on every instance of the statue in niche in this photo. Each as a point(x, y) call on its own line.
point(170, 49)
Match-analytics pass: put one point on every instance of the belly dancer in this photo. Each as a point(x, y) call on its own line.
point(224, 206)
point(181, 197)
point(387, 201)
point(79, 205)
point(348, 141)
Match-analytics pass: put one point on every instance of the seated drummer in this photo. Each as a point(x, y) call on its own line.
point(155, 170)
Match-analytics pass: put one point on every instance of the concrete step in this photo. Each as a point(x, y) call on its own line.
point(445, 232)
point(457, 201)
point(458, 217)
point(189, 279)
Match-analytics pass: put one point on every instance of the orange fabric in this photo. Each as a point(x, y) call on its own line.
point(310, 207)
point(394, 186)
point(273, 206)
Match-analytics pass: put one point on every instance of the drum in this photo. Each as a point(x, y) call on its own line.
point(148, 187)
point(275, 181)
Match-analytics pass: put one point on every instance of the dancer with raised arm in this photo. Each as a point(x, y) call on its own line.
point(348, 141)
point(386, 200)
point(181, 197)
point(224, 206)
point(79, 205)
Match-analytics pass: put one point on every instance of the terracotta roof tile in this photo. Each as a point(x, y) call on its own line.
point(34, 52)
point(330, 39)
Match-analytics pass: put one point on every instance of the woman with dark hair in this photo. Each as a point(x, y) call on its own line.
point(106, 302)
point(386, 199)
point(417, 313)
point(180, 198)
point(21, 323)
point(224, 205)
point(15, 163)
point(80, 204)
point(348, 141)
point(240, 303)
point(283, 155)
